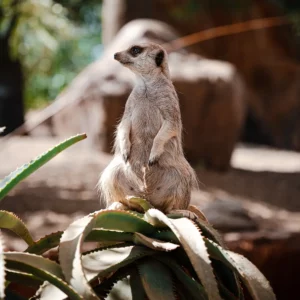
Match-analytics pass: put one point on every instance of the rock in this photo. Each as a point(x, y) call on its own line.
point(265, 174)
point(268, 58)
point(212, 104)
point(211, 96)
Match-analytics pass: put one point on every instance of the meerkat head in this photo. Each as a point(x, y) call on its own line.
point(144, 59)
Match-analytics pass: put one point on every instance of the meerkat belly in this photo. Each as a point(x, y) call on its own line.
point(146, 122)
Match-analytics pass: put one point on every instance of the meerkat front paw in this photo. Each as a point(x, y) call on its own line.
point(125, 155)
point(155, 154)
point(125, 152)
point(153, 160)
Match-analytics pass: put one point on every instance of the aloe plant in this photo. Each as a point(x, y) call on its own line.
point(146, 255)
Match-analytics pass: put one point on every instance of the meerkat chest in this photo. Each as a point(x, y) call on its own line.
point(146, 119)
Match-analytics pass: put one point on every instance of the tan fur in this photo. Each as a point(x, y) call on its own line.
point(149, 160)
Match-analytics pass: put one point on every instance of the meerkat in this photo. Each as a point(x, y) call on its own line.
point(148, 157)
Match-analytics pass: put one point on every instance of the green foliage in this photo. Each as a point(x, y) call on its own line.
point(146, 255)
point(21, 173)
point(54, 40)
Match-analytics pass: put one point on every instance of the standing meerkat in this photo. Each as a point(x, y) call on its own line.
point(148, 160)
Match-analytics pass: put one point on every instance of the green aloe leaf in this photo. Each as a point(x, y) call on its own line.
point(157, 280)
point(256, 283)
point(100, 235)
point(45, 243)
point(193, 243)
point(226, 294)
point(154, 244)
point(70, 255)
point(74, 236)
point(194, 214)
point(120, 291)
point(227, 278)
point(97, 235)
point(197, 211)
point(21, 173)
point(34, 261)
point(22, 277)
point(108, 283)
point(48, 291)
point(254, 280)
point(42, 268)
point(103, 262)
point(195, 290)
point(140, 202)
point(137, 289)
point(166, 235)
point(10, 221)
point(123, 221)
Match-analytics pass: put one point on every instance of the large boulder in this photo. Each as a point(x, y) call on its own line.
point(267, 58)
point(211, 96)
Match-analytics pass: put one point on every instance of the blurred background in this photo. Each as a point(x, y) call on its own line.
point(235, 66)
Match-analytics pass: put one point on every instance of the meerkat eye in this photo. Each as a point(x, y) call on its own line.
point(135, 50)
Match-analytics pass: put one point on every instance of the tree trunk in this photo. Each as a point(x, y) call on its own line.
point(11, 85)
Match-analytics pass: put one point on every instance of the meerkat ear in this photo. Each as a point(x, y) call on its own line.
point(159, 58)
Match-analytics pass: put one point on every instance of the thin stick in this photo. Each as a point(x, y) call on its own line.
point(225, 30)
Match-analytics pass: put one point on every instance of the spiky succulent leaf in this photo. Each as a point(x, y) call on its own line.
point(70, 255)
point(226, 294)
point(10, 221)
point(48, 291)
point(166, 235)
point(40, 267)
point(103, 289)
point(2, 269)
point(120, 291)
point(195, 290)
point(139, 202)
point(22, 277)
point(256, 283)
point(74, 236)
point(123, 221)
point(45, 243)
point(196, 210)
point(157, 280)
point(227, 278)
point(137, 289)
point(193, 243)
point(195, 215)
point(100, 235)
point(154, 244)
point(21, 173)
point(103, 262)
point(254, 280)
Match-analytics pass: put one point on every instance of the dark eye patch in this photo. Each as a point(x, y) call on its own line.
point(135, 50)
point(159, 58)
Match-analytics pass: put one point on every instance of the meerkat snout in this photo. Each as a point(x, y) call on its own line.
point(116, 56)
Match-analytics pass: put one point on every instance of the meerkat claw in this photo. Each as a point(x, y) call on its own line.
point(153, 161)
point(125, 157)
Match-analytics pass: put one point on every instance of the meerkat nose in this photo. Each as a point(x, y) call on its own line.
point(116, 56)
